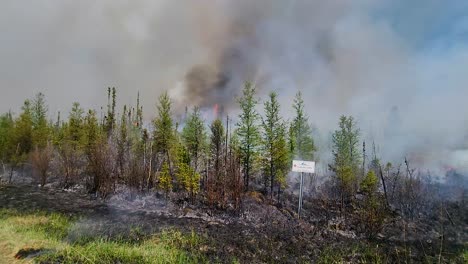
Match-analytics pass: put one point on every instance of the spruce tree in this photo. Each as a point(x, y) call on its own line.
point(165, 179)
point(247, 130)
point(22, 135)
point(217, 146)
point(194, 136)
point(92, 131)
point(122, 141)
point(346, 156)
point(301, 142)
point(6, 136)
point(275, 151)
point(41, 132)
point(163, 136)
point(74, 133)
point(111, 103)
point(186, 176)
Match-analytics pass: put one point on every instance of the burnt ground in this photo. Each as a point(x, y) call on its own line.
point(262, 233)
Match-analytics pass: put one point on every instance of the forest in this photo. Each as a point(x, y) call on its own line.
point(223, 167)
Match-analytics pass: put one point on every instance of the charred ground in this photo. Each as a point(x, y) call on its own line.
point(260, 233)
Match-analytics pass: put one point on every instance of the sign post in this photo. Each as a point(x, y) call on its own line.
point(302, 166)
point(300, 195)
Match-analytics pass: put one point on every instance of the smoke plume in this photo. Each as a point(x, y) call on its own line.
point(399, 67)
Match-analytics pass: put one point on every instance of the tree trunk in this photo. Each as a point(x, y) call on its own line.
point(384, 186)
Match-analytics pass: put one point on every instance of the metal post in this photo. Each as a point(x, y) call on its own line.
point(300, 195)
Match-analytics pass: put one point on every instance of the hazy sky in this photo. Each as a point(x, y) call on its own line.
point(359, 57)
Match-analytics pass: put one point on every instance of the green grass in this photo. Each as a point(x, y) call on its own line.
point(39, 230)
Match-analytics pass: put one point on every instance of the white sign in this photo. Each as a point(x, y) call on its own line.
point(303, 166)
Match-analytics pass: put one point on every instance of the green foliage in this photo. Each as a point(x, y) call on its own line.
point(373, 211)
point(74, 133)
point(6, 135)
point(218, 138)
point(234, 144)
point(369, 183)
point(110, 118)
point(275, 151)
point(163, 126)
point(165, 179)
point(41, 130)
point(123, 141)
point(139, 114)
point(194, 136)
point(248, 131)
point(186, 175)
point(188, 178)
point(92, 131)
point(21, 143)
point(300, 135)
point(345, 145)
point(346, 178)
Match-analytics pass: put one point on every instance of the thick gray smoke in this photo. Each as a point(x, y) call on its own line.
point(397, 66)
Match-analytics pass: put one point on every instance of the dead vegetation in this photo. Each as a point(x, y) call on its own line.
point(261, 232)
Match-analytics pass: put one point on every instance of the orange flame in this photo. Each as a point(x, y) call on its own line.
point(216, 110)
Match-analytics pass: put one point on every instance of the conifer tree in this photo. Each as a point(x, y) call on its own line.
point(275, 152)
point(186, 176)
point(194, 136)
point(139, 113)
point(247, 130)
point(346, 156)
point(70, 146)
point(122, 141)
point(217, 147)
point(301, 142)
point(369, 183)
point(6, 136)
point(165, 179)
point(41, 130)
point(163, 136)
point(92, 131)
point(22, 134)
point(111, 103)
point(74, 134)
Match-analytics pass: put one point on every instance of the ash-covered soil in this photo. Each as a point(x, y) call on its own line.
point(261, 233)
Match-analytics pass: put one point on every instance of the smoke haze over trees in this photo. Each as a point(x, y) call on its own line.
point(141, 115)
point(371, 59)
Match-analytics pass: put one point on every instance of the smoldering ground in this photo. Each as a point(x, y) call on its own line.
point(262, 233)
point(363, 58)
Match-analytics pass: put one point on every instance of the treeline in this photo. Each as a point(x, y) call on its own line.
point(211, 163)
point(118, 149)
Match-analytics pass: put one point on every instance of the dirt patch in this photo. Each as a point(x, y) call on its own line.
point(29, 253)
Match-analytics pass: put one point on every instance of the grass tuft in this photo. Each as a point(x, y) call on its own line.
point(48, 232)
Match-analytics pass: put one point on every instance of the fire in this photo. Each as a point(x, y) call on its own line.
point(216, 110)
